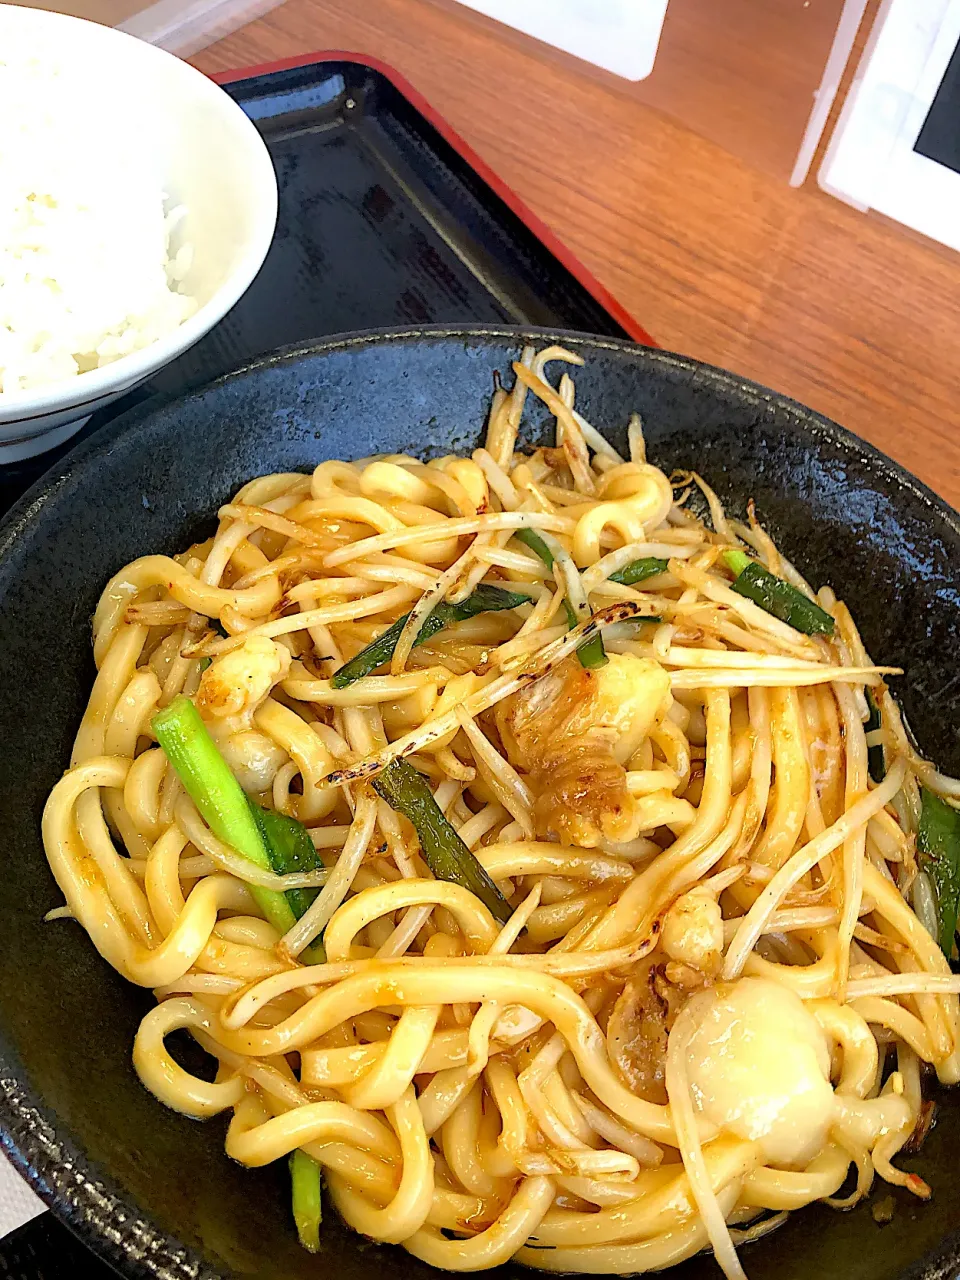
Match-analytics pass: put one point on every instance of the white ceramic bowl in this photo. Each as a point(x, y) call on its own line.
point(208, 156)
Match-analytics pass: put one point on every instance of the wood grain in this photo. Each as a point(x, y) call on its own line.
point(716, 258)
point(740, 72)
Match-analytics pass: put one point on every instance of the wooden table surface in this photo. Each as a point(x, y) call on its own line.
point(715, 258)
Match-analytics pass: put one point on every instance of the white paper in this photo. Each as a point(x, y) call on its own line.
point(18, 1203)
point(618, 35)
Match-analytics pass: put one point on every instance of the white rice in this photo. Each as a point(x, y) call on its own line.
point(86, 270)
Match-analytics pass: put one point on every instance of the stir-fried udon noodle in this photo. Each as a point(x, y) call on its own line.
point(714, 990)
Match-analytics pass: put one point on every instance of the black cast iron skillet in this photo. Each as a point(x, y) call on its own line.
point(152, 1192)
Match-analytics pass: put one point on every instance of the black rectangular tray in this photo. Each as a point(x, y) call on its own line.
point(386, 218)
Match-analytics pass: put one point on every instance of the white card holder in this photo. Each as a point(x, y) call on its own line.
point(871, 162)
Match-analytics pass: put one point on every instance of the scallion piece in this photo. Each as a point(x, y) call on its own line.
point(875, 763)
point(222, 804)
point(938, 841)
point(591, 653)
point(305, 1194)
point(486, 599)
point(290, 849)
point(639, 570)
point(443, 851)
point(777, 597)
point(271, 840)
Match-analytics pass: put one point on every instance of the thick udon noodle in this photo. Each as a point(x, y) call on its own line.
point(476, 1092)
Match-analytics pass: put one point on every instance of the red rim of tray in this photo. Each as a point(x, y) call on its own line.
point(510, 198)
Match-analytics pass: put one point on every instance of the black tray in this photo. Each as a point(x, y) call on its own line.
point(386, 218)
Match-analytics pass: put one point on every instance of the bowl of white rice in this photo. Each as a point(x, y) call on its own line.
point(137, 204)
